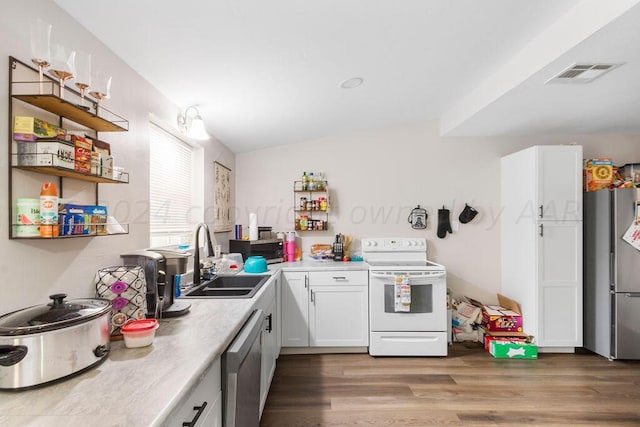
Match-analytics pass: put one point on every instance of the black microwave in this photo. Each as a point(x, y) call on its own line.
point(271, 249)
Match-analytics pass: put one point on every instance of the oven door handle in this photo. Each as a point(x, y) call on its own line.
point(413, 274)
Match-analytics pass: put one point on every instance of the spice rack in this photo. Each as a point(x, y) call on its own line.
point(37, 98)
point(311, 207)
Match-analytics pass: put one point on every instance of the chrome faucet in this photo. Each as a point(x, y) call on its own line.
point(196, 252)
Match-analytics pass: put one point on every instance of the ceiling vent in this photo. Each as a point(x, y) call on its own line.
point(582, 73)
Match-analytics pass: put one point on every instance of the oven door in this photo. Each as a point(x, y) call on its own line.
point(428, 308)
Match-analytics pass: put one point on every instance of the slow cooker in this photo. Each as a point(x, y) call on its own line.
point(52, 341)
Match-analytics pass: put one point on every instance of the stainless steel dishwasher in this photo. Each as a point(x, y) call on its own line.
point(241, 367)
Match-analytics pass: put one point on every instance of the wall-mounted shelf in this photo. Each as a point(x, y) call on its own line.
point(65, 103)
point(314, 217)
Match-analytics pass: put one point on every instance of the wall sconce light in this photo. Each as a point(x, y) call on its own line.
point(192, 125)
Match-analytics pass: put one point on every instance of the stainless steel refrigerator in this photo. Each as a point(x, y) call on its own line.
point(611, 275)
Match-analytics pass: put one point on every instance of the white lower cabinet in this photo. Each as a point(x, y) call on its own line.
point(269, 340)
point(325, 309)
point(202, 406)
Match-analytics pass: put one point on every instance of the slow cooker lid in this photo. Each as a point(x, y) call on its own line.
point(57, 314)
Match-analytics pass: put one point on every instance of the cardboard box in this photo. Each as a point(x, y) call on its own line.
point(73, 220)
point(82, 219)
point(33, 129)
point(97, 216)
point(598, 174)
point(82, 154)
point(107, 166)
point(490, 338)
point(503, 318)
point(45, 153)
point(513, 350)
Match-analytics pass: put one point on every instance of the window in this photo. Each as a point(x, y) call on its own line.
point(171, 187)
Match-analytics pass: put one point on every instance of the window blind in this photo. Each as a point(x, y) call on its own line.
point(171, 184)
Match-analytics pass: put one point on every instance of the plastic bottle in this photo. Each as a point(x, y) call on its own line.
point(48, 210)
point(312, 182)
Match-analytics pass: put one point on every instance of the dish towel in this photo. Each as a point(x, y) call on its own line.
point(402, 295)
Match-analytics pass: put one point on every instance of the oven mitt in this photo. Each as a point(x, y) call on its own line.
point(444, 225)
point(467, 214)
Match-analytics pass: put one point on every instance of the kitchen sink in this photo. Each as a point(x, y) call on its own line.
point(228, 287)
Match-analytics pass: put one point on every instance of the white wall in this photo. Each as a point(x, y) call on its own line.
point(376, 178)
point(30, 270)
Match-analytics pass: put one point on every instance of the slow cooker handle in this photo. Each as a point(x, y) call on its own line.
point(12, 354)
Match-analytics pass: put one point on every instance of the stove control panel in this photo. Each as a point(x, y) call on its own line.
point(402, 244)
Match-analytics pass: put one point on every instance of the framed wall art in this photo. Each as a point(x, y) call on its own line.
point(222, 198)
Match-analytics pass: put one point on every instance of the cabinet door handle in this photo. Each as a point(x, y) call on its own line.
point(541, 230)
point(200, 410)
point(541, 213)
point(269, 322)
point(306, 281)
point(312, 298)
point(339, 278)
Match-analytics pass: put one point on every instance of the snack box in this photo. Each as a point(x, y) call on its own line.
point(73, 220)
point(97, 216)
point(598, 174)
point(83, 153)
point(33, 129)
point(45, 153)
point(513, 350)
point(82, 219)
point(500, 319)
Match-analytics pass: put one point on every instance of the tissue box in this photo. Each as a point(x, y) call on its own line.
point(513, 350)
point(33, 129)
point(45, 153)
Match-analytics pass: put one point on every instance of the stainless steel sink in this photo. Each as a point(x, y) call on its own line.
point(228, 287)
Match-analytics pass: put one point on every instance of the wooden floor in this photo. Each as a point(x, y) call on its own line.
point(467, 388)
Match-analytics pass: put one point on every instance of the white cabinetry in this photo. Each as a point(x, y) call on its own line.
point(269, 346)
point(541, 228)
point(203, 404)
point(325, 309)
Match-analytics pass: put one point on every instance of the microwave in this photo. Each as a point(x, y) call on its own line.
point(271, 249)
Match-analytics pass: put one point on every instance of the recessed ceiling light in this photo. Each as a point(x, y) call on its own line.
point(351, 83)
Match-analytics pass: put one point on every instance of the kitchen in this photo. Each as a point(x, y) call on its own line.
point(376, 183)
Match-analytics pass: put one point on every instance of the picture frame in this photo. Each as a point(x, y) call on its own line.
point(222, 198)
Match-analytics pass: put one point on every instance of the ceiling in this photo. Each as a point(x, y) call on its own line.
point(266, 73)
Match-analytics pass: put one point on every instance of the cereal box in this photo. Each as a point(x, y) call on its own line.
point(33, 129)
point(598, 174)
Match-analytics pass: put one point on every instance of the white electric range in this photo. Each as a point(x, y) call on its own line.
point(417, 327)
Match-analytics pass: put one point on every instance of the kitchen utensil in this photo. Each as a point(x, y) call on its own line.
point(48, 342)
point(255, 264)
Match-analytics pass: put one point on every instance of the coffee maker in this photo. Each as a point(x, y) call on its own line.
point(161, 267)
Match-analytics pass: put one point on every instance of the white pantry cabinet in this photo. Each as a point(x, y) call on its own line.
point(541, 237)
point(325, 309)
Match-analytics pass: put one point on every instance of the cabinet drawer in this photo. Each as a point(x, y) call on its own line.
point(207, 390)
point(339, 277)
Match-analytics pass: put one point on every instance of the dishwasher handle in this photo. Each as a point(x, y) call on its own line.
point(241, 345)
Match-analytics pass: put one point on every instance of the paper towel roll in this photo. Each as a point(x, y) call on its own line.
point(253, 227)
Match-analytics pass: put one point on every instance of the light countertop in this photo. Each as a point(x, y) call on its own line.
point(141, 386)
point(135, 386)
point(311, 265)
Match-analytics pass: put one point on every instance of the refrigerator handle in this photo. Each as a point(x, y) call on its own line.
point(612, 270)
